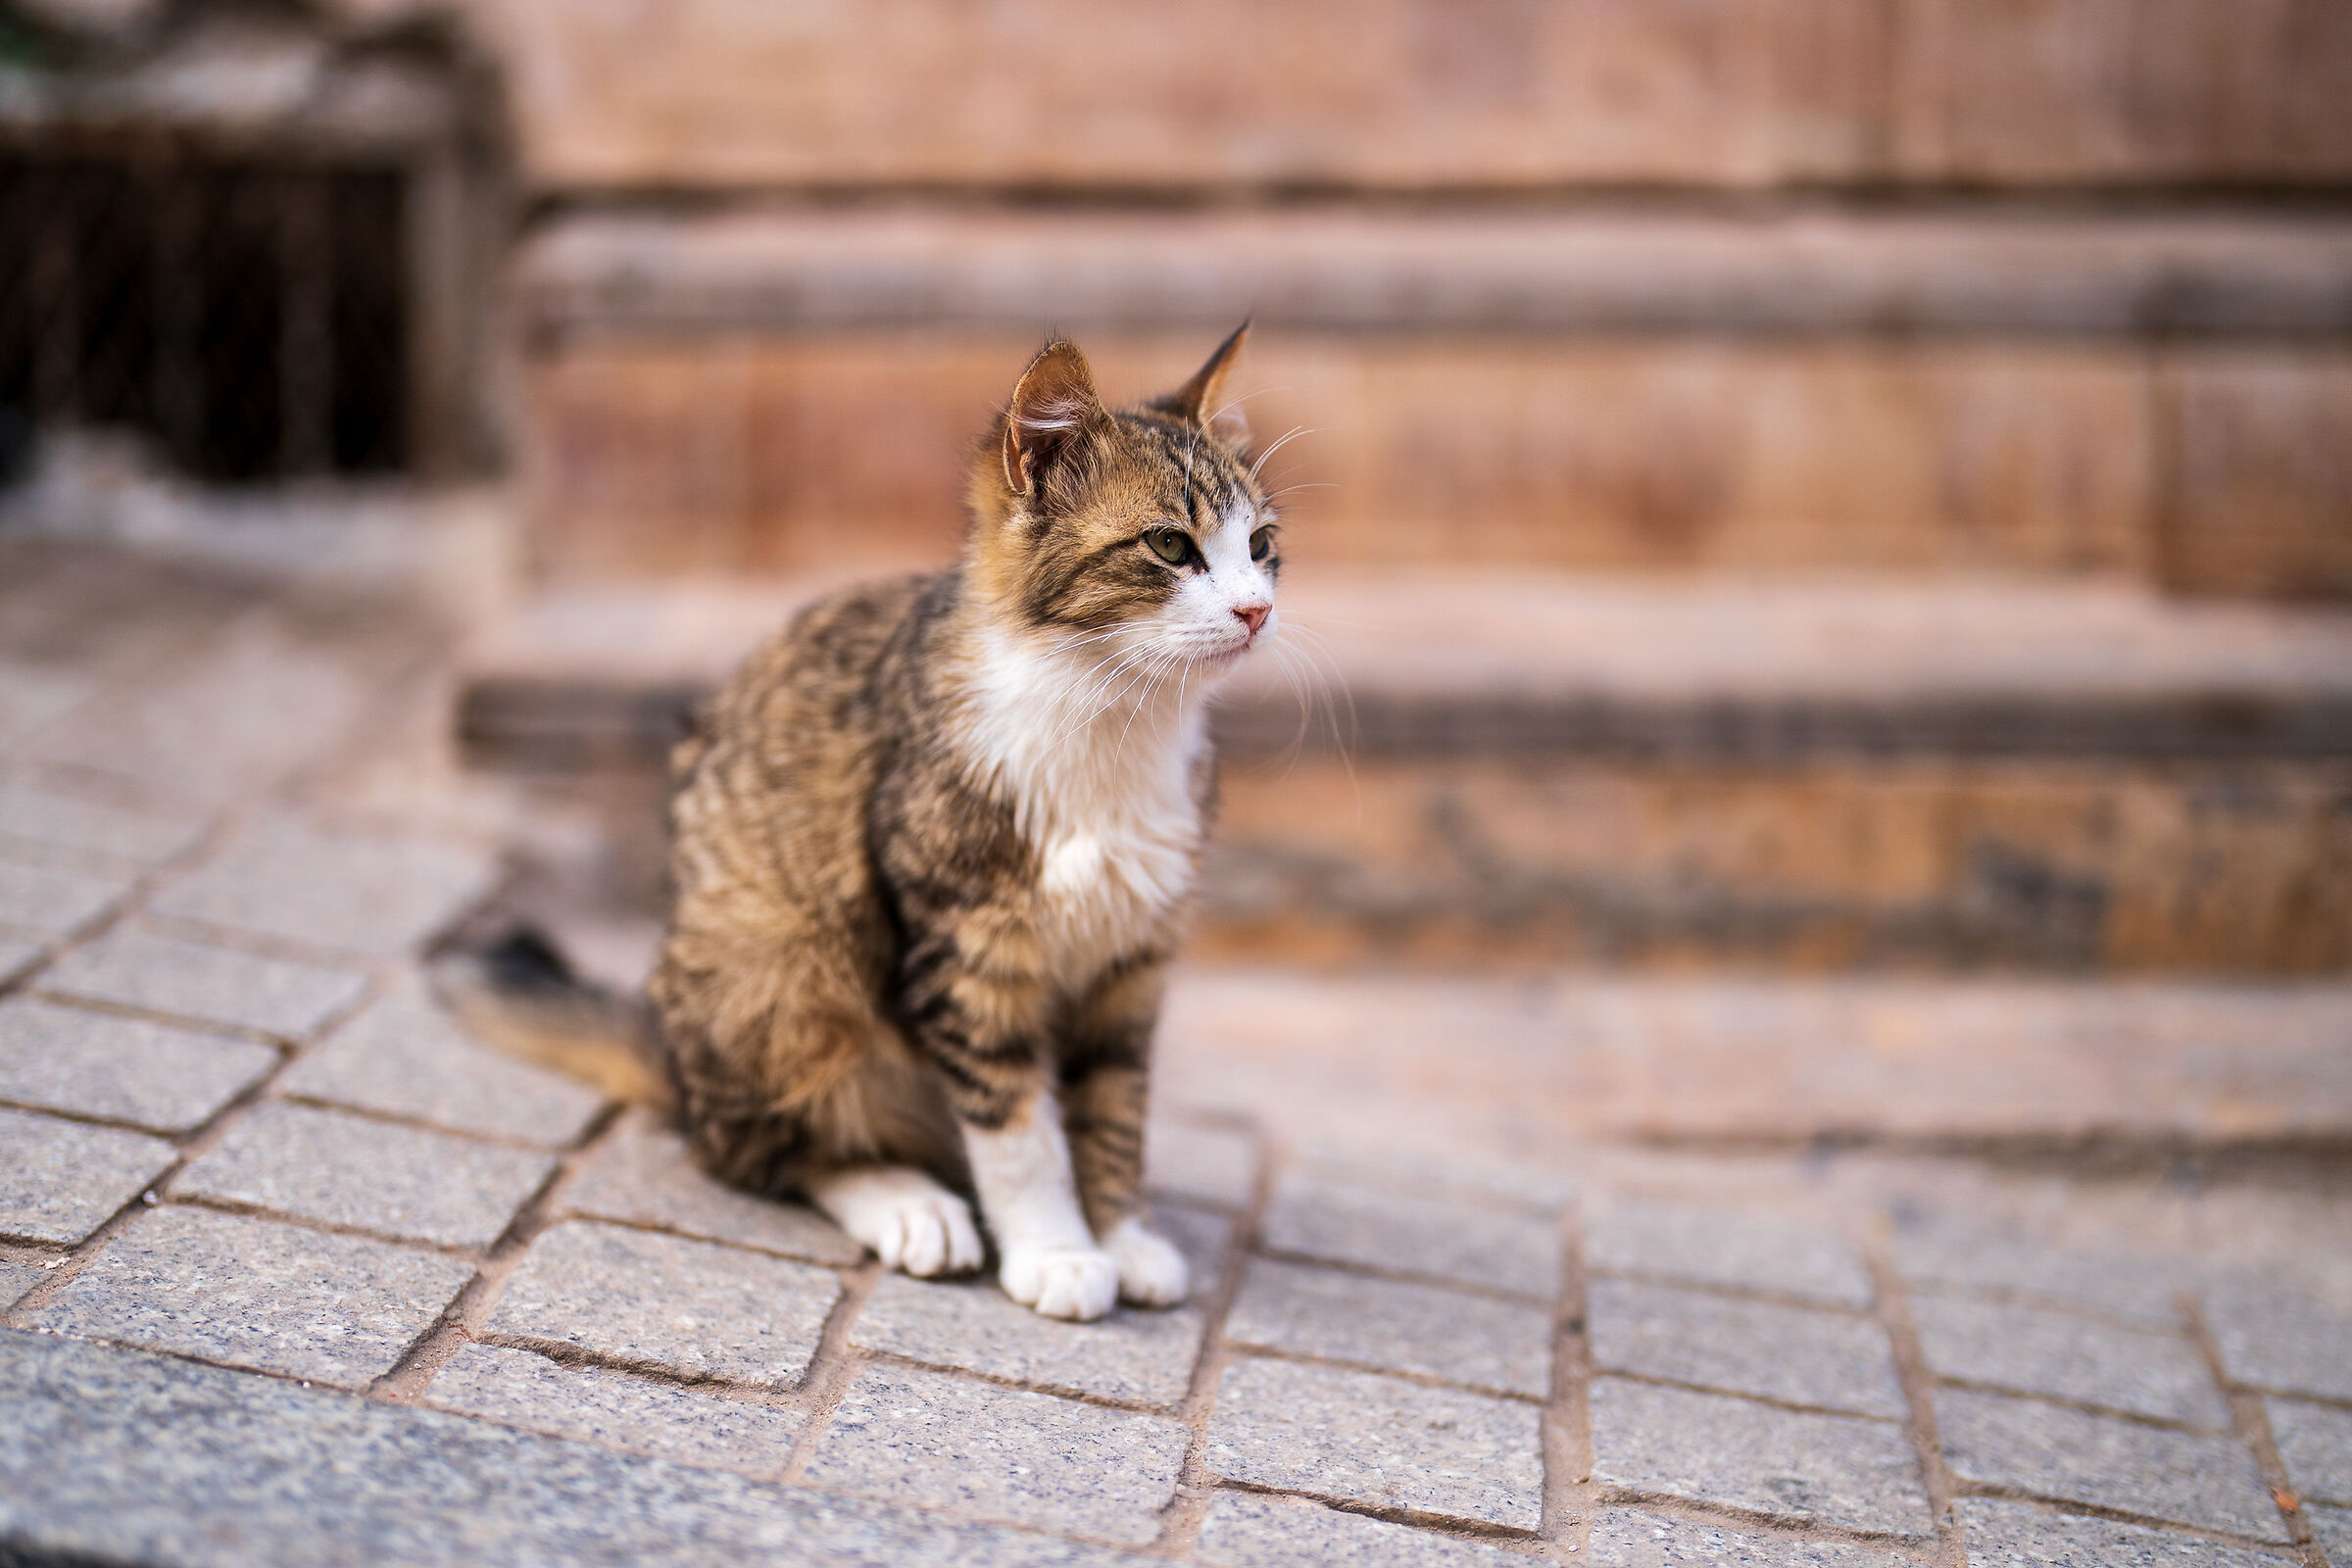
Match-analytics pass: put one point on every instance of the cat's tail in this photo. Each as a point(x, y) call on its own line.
point(521, 996)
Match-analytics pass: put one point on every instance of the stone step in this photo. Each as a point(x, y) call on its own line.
point(1515, 770)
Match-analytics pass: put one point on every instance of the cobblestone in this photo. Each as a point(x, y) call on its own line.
point(16, 954)
point(2334, 1527)
point(2019, 1535)
point(2275, 1336)
point(2187, 1478)
point(122, 1069)
point(2036, 1350)
point(403, 1056)
point(525, 1389)
point(60, 1180)
point(1244, 1530)
point(1818, 1469)
point(1215, 1165)
point(368, 892)
point(18, 1278)
point(1725, 1247)
point(1142, 1356)
point(2315, 1442)
point(1427, 1329)
point(1379, 1441)
point(213, 985)
point(1504, 1249)
point(1975, 1261)
point(254, 1292)
point(92, 827)
point(644, 1175)
point(909, 1436)
point(1784, 1352)
point(371, 1175)
point(690, 1307)
point(54, 900)
point(1627, 1537)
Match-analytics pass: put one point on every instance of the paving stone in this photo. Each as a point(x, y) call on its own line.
point(644, 1175)
point(123, 1069)
point(371, 1175)
point(18, 1278)
point(60, 1180)
point(140, 969)
point(1816, 1469)
point(71, 822)
point(2018, 1534)
point(254, 1292)
point(2275, 1336)
point(1507, 1248)
point(54, 900)
point(1376, 1440)
point(1427, 1329)
point(1202, 1164)
point(690, 1307)
point(1783, 1352)
point(1134, 1354)
point(370, 892)
point(2316, 1442)
point(2333, 1527)
point(119, 1457)
point(32, 695)
point(525, 1389)
point(1725, 1247)
point(2041, 1352)
point(1978, 1262)
point(1244, 1530)
point(16, 954)
point(1627, 1537)
point(905, 1435)
point(2052, 1451)
point(404, 1056)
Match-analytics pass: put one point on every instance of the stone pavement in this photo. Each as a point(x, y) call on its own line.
point(292, 1272)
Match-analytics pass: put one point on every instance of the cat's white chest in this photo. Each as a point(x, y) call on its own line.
point(1108, 877)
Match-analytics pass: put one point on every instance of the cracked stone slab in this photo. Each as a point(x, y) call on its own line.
point(2038, 1350)
point(1793, 1353)
point(905, 1435)
point(1246, 1529)
point(1378, 1440)
point(2185, 1477)
point(1502, 1248)
point(61, 1179)
point(213, 985)
point(122, 1069)
point(644, 1175)
point(2315, 1440)
point(1133, 1354)
point(92, 827)
point(525, 1389)
point(376, 1176)
point(2018, 1534)
point(53, 900)
point(1628, 1538)
point(403, 1056)
point(1401, 1327)
point(1200, 1164)
point(690, 1307)
point(1728, 1246)
point(1812, 1469)
point(254, 1292)
point(2276, 1336)
point(371, 892)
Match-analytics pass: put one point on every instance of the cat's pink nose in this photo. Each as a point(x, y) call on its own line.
point(1252, 615)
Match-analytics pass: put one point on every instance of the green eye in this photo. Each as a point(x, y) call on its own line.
point(1171, 544)
point(1261, 544)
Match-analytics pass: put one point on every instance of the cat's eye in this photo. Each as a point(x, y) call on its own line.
point(1261, 544)
point(1171, 544)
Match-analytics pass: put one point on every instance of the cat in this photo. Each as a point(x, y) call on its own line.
point(932, 847)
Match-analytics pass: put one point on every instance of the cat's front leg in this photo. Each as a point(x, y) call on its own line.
point(1106, 1095)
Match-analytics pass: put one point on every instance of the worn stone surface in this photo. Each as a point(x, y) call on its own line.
point(16, 954)
point(644, 1175)
point(254, 1292)
point(2278, 1335)
point(525, 1389)
point(1628, 1538)
point(60, 1180)
point(1244, 1530)
point(1505, 1248)
point(122, 1069)
point(2018, 1534)
point(405, 1057)
point(2048, 1449)
point(1724, 1247)
point(18, 1278)
point(1200, 1164)
point(1819, 1469)
point(1134, 1354)
point(122, 1456)
point(376, 1176)
point(1395, 1325)
point(2315, 1440)
point(1975, 1261)
point(690, 1307)
point(1377, 1439)
point(943, 1442)
point(2039, 1352)
point(213, 985)
point(53, 900)
point(1793, 1354)
point(74, 822)
point(376, 893)
point(2334, 1527)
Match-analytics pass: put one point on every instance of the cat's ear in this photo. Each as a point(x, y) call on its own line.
point(1052, 403)
point(1201, 401)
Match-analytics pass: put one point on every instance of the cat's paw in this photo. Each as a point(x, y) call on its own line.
point(1077, 1283)
point(1152, 1272)
point(910, 1221)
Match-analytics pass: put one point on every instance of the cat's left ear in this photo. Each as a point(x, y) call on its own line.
point(1201, 401)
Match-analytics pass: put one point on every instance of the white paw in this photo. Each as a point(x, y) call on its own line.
point(1077, 1283)
point(909, 1220)
point(1152, 1272)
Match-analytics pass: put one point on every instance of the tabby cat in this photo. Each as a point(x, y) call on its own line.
point(932, 848)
